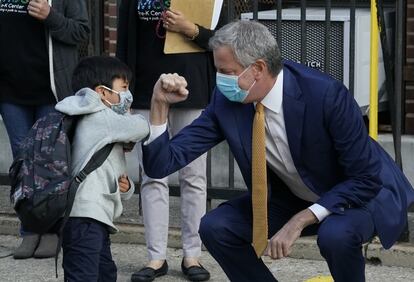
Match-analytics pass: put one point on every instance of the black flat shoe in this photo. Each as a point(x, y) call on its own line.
point(195, 272)
point(148, 274)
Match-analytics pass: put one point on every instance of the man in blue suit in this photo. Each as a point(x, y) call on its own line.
point(325, 175)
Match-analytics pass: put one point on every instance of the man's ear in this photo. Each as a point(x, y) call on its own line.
point(260, 68)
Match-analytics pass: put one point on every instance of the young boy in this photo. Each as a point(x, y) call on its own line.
point(103, 99)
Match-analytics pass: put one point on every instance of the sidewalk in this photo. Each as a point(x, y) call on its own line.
point(129, 251)
point(130, 257)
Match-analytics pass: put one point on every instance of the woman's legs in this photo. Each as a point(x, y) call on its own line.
point(18, 120)
point(155, 208)
point(193, 186)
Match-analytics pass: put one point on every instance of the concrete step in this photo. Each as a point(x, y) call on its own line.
point(132, 231)
point(130, 214)
point(400, 255)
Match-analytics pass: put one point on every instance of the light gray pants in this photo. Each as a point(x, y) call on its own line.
point(155, 197)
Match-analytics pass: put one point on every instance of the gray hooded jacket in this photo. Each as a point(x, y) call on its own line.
point(98, 196)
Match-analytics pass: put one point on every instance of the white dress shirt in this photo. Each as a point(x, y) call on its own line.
point(278, 154)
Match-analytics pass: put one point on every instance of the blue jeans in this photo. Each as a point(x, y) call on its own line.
point(18, 120)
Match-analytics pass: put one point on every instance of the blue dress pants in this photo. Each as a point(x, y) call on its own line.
point(227, 234)
point(87, 251)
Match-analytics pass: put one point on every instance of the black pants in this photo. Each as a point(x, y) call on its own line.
point(87, 251)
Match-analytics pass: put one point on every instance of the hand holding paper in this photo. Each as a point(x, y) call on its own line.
point(182, 18)
point(177, 22)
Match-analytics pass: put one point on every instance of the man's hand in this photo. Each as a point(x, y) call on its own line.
point(39, 9)
point(280, 245)
point(124, 184)
point(169, 89)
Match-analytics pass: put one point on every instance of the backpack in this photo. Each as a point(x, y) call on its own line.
point(42, 187)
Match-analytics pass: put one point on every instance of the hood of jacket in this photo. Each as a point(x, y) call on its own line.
point(85, 101)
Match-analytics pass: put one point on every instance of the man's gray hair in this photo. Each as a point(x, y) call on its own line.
point(250, 41)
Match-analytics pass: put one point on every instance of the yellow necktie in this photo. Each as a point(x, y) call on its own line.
point(259, 182)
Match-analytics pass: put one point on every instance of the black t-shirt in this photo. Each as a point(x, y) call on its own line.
point(151, 61)
point(24, 62)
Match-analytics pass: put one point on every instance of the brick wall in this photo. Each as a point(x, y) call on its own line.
point(110, 22)
point(409, 70)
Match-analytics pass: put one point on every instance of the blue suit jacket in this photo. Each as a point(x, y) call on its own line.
point(328, 141)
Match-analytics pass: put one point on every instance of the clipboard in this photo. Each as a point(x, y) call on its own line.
point(197, 11)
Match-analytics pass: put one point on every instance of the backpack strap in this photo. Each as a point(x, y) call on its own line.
point(96, 161)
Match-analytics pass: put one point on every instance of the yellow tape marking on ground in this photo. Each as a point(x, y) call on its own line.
point(321, 279)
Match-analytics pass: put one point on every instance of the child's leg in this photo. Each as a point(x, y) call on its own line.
point(107, 267)
point(85, 244)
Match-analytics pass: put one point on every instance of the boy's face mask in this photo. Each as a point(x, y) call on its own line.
point(229, 86)
point(125, 101)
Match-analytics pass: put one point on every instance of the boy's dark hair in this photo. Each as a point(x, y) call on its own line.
point(99, 70)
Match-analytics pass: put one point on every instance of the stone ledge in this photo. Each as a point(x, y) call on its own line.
point(401, 254)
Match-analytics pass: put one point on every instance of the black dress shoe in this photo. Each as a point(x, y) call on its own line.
point(148, 274)
point(195, 272)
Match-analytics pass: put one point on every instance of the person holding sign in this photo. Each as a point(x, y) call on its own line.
point(142, 28)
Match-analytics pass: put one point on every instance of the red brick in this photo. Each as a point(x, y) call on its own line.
point(110, 24)
point(410, 13)
point(409, 73)
point(409, 56)
point(410, 40)
point(410, 26)
point(410, 51)
point(409, 106)
point(409, 124)
point(106, 44)
point(112, 34)
point(409, 90)
point(112, 10)
point(112, 47)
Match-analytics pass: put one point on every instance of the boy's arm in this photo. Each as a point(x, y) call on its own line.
point(127, 128)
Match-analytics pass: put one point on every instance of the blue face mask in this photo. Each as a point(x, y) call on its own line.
point(229, 86)
point(125, 101)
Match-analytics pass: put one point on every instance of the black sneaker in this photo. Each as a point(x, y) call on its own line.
point(148, 274)
point(195, 272)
